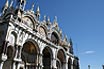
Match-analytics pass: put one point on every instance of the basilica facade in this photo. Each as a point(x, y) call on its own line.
point(26, 42)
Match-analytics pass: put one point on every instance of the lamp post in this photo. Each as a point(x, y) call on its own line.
point(103, 66)
point(88, 66)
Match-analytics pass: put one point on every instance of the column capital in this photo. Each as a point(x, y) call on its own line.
point(54, 67)
point(40, 54)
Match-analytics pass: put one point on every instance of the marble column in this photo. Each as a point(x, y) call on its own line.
point(65, 65)
point(19, 52)
point(40, 61)
point(71, 66)
point(37, 60)
point(54, 63)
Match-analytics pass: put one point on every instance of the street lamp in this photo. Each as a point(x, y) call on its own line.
point(88, 66)
point(103, 66)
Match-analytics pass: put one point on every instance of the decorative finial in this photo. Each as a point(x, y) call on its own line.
point(55, 19)
point(44, 18)
point(32, 6)
point(11, 3)
point(7, 3)
point(6, 6)
point(38, 9)
point(24, 3)
point(37, 13)
point(60, 32)
point(55, 23)
point(21, 4)
point(48, 19)
point(65, 38)
point(71, 43)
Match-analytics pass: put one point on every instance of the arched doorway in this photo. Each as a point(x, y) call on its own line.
point(8, 64)
point(60, 59)
point(29, 55)
point(69, 63)
point(75, 64)
point(47, 55)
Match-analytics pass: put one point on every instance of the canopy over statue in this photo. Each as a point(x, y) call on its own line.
point(21, 1)
point(21, 4)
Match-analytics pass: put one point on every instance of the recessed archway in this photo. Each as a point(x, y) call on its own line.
point(47, 55)
point(69, 63)
point(10, 55)
point(29, 55)
point(75, 64)
point(61, 59)
point(55, 38)
point(58, 64)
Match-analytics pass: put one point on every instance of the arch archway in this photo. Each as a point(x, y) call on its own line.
point(8, 64)
point(47, 55)
point(58, 64)
point(61, 59)
point(75, 64)
point(69, 63)
point(55, 38)
point(29, 55)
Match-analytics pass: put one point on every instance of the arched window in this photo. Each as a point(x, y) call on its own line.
point(28, 22)
point(54, 38)
point(12, 38)
point(42, 31)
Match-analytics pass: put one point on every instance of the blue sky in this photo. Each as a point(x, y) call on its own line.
point(83, 21)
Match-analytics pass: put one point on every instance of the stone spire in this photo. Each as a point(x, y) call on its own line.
point(32, 8)
point(38, 10)
point(71, 46)
point(5, 6)
point(38, 13)
point(21, 4)
point(55, 24)
point(44, 20)
point(24, 3)
point(60, 31)
point(48, 19)
point(71, 43)
point(65, 38)
point(11, 3)
point(55, 20)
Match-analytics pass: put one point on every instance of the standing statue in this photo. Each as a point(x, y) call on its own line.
point(21, 3)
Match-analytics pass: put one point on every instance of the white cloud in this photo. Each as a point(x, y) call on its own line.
point(89, 52)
